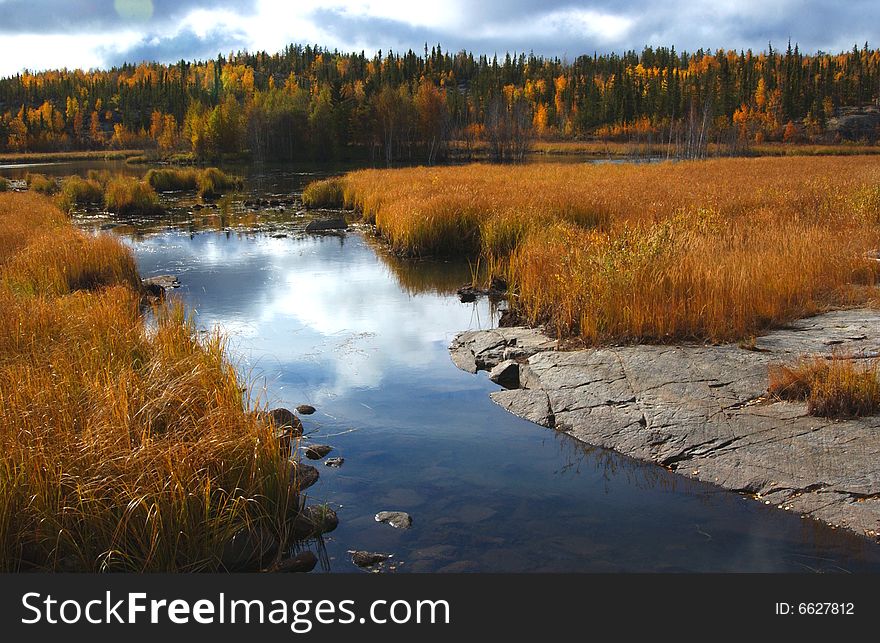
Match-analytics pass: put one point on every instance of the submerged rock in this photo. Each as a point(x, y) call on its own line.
point(305, 409)
point(334, 462)
point(317, 451)
point(156, 286)
point(313, 521)
point(397, 519)
point(302, 563)
point(303, 475)
point(321, 225)
point(368, 558)
point(248, 549)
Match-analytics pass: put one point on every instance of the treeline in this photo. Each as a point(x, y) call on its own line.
point(309, 102)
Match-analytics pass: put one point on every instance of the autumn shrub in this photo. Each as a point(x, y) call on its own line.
point(714, 250)
point(836, 387)
point(76, 190)
point(127, 195)
point(41, 183)
point(213, 182)
point(122, 447)
point(170, 180)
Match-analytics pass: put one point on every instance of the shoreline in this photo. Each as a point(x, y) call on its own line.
point(702, 411)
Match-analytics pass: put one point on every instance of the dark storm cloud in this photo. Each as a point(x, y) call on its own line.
point(185, 45)
point(64, 16)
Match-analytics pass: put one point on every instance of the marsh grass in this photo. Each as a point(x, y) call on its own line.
point(4, 184)
point(41, 183)
point(121, 448)
point(837, 387)
point(715, 250)
point(171, 180)
point(324, 194)
point(127, 195)
point(76, 191)
point(213, 183)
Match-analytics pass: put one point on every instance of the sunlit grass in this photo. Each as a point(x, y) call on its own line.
point(121, 448)
point(128, 195)
point(840, 387)
point(717, 250)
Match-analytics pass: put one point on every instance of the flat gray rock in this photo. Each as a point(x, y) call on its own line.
point(397, 519)
point(704, 411)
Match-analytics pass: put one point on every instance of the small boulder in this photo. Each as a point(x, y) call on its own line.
point(334, 462)
point(248, 549)
point(313, 521)
point(302, 563)
point(302, 475)
point(397, 519)
point(284, 419)
point(368, 558)
point(321, 225)
point(317, 451)
point(506, 374)
point(305, 409)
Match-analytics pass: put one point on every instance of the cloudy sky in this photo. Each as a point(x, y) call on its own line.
point(41, 34)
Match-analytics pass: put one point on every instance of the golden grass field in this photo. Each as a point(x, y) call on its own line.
point(712, 250)
point(122, 446)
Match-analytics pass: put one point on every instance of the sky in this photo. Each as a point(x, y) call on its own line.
point(48, 34)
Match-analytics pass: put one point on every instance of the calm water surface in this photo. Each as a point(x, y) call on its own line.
point(335, 322)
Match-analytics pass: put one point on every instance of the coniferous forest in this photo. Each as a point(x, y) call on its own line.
point(311, 103)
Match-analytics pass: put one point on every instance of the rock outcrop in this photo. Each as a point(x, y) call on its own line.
point(703, 411)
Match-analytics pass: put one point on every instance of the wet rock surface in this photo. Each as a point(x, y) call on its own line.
point(303, 475)
point(322, 225)
point(703, 411)
point(368, 558)
point(334, 463)
point(302, 563)
point(317, 451)
point(397, 519)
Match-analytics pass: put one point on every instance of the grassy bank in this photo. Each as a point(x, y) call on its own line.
point(715, 250)
point(56, 157)
point(121, 448)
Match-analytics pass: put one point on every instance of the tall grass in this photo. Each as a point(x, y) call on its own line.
point(170, 180)
point(127, 195)
point(41, 183)
point(213, 182)
point(715, 250)
point(76, 190)
point(838, 388)
point(323, 194)
point(120, 448)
